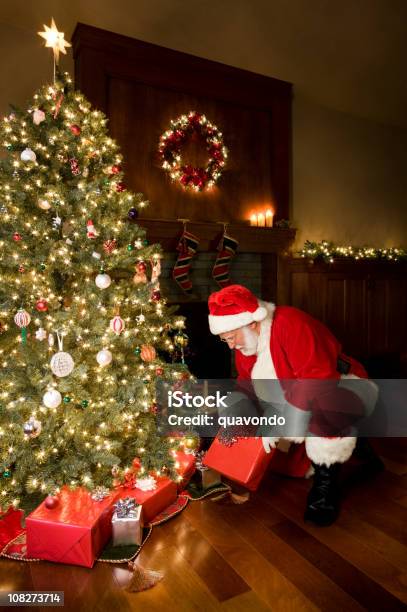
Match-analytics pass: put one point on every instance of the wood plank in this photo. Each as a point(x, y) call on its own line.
point(182, 587)
point(317, 587)
point(208, 563)
point(266, 581)
point(343, 542)
point(384, 514)
point(82, 586)
point(359, 586)
point(245, 603)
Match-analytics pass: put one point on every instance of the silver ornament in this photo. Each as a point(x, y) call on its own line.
point(40, 334)
point(32, 427)
point(62, 364)
point(28, 155)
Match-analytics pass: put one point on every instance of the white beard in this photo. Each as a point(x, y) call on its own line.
point(251, 340)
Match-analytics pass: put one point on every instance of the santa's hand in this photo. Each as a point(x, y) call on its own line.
point(269, 443)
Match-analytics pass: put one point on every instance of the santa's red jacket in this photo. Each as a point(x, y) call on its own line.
point(305, 357)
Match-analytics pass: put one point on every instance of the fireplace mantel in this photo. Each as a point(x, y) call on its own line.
point(251, 239)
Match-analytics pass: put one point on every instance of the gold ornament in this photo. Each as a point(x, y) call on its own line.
point(191, 443)
point(180, 339)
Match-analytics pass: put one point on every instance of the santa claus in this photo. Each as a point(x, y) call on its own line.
point(296, 366)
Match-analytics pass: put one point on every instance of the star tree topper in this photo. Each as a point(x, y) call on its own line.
point(54, 39)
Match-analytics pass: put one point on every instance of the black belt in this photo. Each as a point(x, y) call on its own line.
point(342, 366)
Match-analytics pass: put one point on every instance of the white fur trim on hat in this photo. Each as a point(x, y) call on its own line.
point(329, 450)
point(226, 323)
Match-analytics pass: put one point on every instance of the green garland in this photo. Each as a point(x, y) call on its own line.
point(328, 251)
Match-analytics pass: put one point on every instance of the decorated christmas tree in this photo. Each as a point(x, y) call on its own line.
point(84, 330)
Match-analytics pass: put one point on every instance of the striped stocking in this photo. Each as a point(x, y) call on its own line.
point(187, 248)
point(227, 250)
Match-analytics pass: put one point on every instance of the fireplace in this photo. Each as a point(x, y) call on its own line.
point(207, 356)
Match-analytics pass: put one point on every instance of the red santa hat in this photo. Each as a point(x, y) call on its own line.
point(233, 307)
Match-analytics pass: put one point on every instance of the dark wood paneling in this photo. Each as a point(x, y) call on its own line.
point(363, 303)
point(142, 86)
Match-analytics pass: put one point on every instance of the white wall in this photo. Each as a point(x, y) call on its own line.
point(349, 178)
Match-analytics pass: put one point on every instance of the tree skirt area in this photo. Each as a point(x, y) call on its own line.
point(13, 533)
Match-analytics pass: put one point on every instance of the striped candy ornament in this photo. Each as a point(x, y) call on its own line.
point(22, 319)
point(109, 246)
point(117, 324)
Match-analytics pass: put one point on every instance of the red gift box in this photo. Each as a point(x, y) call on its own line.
point(185, 466)
point(244, 461)
point(154, 501)
point(75, 531)
point(10, 526)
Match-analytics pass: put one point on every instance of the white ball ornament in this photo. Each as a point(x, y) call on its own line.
point(52, 398)
point(62, 364)
point(104, 357)
point(28, 155)
point(38, 116)
point(103, 281)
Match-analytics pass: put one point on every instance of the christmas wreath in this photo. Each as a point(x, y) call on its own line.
point(170, 147)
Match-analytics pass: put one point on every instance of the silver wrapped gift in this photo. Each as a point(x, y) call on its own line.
point(127, 523)
point(204, 476)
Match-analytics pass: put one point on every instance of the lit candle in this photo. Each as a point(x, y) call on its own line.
point(261, 220)
point(253, 220)
point(269, 218)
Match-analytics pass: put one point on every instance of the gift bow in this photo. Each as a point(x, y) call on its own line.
point(100, 493)
point(126, 508)
point(146, 484)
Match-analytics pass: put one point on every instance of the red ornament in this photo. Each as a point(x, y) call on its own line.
point(21, 269)
point(136, 463)
point(120, 187)
point(42, 305)
point(51, 502)
point(156, 295)
point(17, 237)
point(75, 129)
point(90, 229)
point(159, 371)
point(110, 245)
point(74, 166)
point(115, 169)
point(141, 267)
point(154, 408)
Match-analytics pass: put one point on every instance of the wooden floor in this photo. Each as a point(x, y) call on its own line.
point(257, 556)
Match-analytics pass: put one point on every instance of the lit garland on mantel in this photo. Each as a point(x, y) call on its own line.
point(328, 251)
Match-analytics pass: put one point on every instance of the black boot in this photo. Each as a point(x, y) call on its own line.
point(323, 499)
point(370, 460)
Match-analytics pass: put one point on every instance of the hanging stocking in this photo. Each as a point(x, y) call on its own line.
point(227, 248)
point(187, 247)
